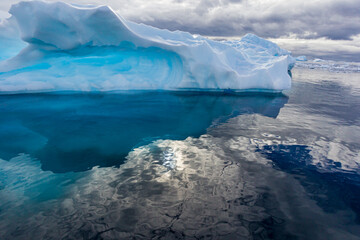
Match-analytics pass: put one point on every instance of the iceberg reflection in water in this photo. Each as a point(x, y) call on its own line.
point(75, 132)
point(212, 166)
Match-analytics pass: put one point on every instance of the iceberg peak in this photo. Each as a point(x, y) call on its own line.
point(66, 27)
point(86, 48)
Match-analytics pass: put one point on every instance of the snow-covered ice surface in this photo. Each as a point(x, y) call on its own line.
point(169, 164)
point(93, 49)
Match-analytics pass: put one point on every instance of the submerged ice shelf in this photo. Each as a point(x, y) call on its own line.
point(75, 132)
point(94, 49)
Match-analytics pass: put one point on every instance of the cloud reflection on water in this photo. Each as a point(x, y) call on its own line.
point(251, 176)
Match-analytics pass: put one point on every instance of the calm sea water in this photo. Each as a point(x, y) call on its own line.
point(175, 165)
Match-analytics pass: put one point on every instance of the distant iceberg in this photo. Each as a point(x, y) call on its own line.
point(301, 58)
point(82, 48)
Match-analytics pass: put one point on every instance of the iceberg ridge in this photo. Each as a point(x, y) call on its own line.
point(87, 48)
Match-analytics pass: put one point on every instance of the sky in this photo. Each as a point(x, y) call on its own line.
point(322, 28)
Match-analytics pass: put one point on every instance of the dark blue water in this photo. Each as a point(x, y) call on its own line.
point(176, 165)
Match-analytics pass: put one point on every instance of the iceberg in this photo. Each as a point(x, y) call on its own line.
point(301, 59)
point(64, 47)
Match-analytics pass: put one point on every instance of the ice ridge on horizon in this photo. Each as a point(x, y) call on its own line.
point(58, 46)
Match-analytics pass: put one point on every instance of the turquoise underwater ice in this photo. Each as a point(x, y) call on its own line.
point(77, 131)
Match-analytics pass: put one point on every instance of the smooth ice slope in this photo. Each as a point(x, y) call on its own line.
point(92, 48)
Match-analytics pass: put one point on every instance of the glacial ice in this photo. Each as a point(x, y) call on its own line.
point(301, 58)
point(58, 46)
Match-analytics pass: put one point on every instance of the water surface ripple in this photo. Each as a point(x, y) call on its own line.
point(184, 166)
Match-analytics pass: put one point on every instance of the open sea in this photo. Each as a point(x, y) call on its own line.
point(185, 165)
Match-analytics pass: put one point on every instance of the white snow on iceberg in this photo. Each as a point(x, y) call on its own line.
point(86, 48)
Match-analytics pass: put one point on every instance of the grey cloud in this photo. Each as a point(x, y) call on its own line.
point(347, 8)
point(322, 48)
point(332, 19)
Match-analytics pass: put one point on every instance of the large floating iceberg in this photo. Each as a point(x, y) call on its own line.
point(87, 48)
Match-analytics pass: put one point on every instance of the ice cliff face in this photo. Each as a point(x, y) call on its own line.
point(92, 48)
